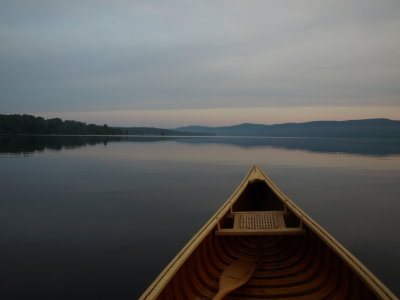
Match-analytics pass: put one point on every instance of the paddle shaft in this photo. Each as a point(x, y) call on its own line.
point(220, 295)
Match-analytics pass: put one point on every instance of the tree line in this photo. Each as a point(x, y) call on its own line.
point(28, 124)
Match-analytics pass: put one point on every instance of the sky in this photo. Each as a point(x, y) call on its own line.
point(175, 63)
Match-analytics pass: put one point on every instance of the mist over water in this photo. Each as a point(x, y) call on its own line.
point(100, 217)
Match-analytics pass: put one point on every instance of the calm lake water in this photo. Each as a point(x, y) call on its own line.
point(100, 217)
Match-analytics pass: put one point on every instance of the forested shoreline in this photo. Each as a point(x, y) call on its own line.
point(28, 124)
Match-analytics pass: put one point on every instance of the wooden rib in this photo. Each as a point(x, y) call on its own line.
point(290, 267)
point(277, 288)
point(291, 276)
point(299, 272)
point(343, 285)
point(321, 283)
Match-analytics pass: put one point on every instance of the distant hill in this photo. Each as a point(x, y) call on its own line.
point(160, 131)
point(369, 128)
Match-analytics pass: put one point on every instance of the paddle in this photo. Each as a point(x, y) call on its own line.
point(234, 276)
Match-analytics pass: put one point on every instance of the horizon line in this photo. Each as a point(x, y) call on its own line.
point(209, 126)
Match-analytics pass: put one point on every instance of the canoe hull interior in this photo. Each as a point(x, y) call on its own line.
point(295, 257)
point(288, 267)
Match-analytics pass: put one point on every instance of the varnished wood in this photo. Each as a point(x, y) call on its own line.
point(294, 257)
point(258, 223)
point(234, 276)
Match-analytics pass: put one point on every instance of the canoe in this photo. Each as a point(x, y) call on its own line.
point(292, 256)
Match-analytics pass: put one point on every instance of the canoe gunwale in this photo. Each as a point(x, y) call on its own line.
point(159, 283)
point(256, 174)
point(367, 276)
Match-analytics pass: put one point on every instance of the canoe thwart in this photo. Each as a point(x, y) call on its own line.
point(259, 223)
point(234, 276)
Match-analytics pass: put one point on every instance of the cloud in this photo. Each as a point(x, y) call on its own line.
point(101, 55)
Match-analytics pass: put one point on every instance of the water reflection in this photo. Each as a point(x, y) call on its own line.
point(82, 223)
point(24, 144)
point(379, 147)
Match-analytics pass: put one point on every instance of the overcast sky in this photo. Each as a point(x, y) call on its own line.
point(171, 63)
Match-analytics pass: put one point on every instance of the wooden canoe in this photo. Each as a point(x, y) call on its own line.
point(295, 258)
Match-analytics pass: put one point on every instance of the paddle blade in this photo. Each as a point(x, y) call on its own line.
point(234, 276)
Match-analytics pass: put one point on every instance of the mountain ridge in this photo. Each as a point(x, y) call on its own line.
point(364, 128)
